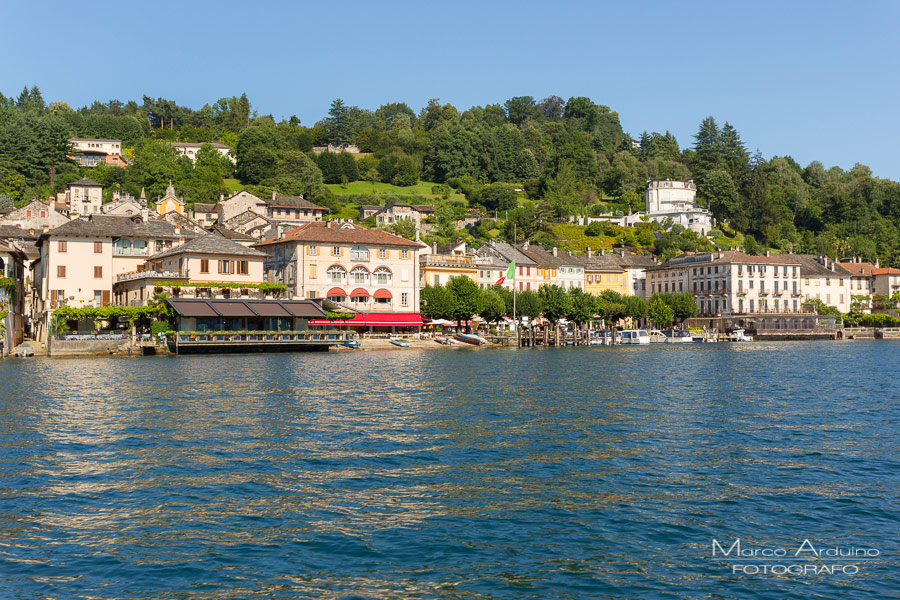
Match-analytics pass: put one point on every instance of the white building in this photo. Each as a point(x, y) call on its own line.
point(674, 200)
point(190, 149)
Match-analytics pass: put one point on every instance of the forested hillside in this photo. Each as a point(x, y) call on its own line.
point(535, 162)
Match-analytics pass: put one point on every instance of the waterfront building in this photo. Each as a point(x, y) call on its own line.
point(731, 282)
point(603, 272)
point(635, 267)
point(451, 260)
point(208, 266)
point(887, 281)
point(555, 268)
point(527, 276)
point(364, 269)
point(823, 279)
point(12, 297)
point(79, 261)
point(862, 280)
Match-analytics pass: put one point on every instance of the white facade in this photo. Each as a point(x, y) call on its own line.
point(190, 149)
point(674, 200)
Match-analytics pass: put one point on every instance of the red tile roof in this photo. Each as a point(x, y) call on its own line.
point(329, 232)
point(861, 269)
point(886, 271)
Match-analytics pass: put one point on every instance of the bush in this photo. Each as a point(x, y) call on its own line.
point(595, 229)
point(157, 327)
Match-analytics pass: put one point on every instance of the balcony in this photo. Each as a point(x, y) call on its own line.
point(132, 275)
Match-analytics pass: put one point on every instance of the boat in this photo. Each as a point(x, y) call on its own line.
point(23, 351)
point(737, 335)
point(445, 340)
point(604, 337)
point(469, 338)
point(351, 344)
point(398, 341)
point(635, 336)
point(677, 336)
point(657, 336)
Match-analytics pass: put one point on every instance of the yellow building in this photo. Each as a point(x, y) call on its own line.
point(170, 203)
point(603, 273)
point(438, 269)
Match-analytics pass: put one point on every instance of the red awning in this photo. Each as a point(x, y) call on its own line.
point(333, 292)
point(377, 320)
point(382, 293)
point(359, 293)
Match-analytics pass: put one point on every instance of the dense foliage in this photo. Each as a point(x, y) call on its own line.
point(533, 161)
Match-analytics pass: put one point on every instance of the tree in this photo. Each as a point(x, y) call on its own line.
point(493, 307)
point(467, 298)
point(497, 196)
point(519, 109)
point(636, 308)
point(256, 154)
point(582, 306)
point(556, 302)
point(564, 191)
point(330, 165)
point(338, 124)
point(436, 302)
point(529, 304)
point(611, 306)
point(660, 312)
point(404, 227)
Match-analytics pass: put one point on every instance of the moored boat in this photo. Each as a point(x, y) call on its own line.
point(469, 338)
point(398, 341)
point(677, 336)
point(635, 336)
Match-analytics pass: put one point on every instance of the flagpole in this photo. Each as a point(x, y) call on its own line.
point(515, 239)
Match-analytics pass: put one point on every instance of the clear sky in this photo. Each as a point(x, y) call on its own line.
point(813, 80)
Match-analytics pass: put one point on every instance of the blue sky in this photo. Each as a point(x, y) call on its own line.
point(814, 80)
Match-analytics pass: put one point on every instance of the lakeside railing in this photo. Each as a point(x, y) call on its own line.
point(188, 338)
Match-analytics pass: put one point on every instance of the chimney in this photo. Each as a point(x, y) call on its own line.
point(273, 195)
point(767, 253)
point(555, 251)
point(177, 230)
point(434, 247)
point(46, 228)
point(221, 197)
point(525, 245)
point(589, 251)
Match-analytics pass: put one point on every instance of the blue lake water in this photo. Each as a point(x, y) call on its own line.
point(459, 473)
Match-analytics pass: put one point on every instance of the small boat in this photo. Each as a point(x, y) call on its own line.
point(351, 344)
point(737, 335)
point(657, 336)
point(398, 341)
point(677, 336)
point(23, 351)
point(635, 336)
point(469, 338)
point(445, 340)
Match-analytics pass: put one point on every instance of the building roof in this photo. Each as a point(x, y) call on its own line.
point(292, 202)
point(328, 232)
point(199, 307)
point(860, 269)
point(601, 262)
point(722, 258)
point(423, 208)
point(886, 271)
point(100, 225)
point(542, 257)
point(211, 243)
point(231, 234)
point(197, 145)
point(246, 217)
point(626, 259)
point(86, 183)
point(506, 251)
point(205, 207)
point(77, 139)
point(812, 265)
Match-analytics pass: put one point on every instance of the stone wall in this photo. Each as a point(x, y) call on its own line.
point(90, 347)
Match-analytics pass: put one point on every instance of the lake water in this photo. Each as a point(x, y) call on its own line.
point(459, 473)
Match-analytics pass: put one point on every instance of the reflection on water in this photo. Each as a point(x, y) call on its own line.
point(569, 473)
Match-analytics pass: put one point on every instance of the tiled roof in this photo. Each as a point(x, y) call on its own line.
point(886, 271)
point(811, 267)
point(860, 269)
point(328, 232)
point(292, 202)
point(197, 144)
point(204, 207)
point(246, 217)
point(93, 140)
point(722, 258)
point(603, 262)
point(211, 243)
point(231, 234)
point(117, 226)
point(507, 251)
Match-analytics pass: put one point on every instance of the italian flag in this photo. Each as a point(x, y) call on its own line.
point(509, 273)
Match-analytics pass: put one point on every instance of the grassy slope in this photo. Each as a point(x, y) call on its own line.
point(423, 188)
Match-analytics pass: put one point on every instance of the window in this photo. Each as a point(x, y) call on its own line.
point(61, 271)
point(336, 274)
point(312, 271)
point(359, 275)
point(98, 272)
point(43, 214)
point(225, 267)
point(383, 276)
point(404, 254)
point(382, 253)
point(63, 246)
point(27, 213)
point(98, 247)
point(404, 299)
point(335, 250)
point(204, 265)
point(243, 267)
point(313, 250)
point(437, 281)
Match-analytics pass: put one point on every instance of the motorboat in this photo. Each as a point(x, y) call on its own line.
point(351, 344)
point(604, 337)
point(23, 351)
point(398, 341)
point(738, 335)
point(678, 336)
point(657, 336)
point(470, 338)
point(635, 336)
